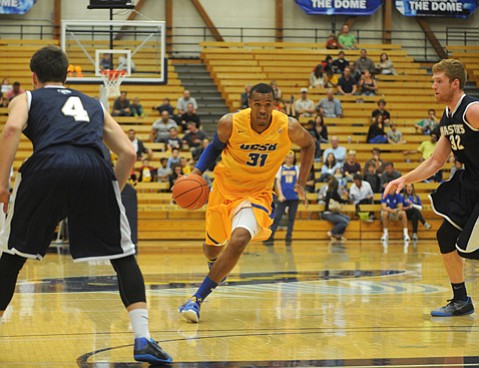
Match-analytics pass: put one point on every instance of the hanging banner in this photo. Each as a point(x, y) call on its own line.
point(339, 7)
point(436, 8)
point(16, 6)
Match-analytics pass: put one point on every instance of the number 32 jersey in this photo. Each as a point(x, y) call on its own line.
point(251, 160)
point(61, 116)
point(464, 139)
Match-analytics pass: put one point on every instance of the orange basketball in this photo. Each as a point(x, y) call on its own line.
point(190, 192)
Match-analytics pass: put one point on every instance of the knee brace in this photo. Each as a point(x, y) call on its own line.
point(447, 237)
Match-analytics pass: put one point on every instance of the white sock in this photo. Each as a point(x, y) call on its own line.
point(139, 323)
point(385, 232)
point(405, 231)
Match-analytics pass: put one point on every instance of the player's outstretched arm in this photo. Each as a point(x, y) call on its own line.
point(214, 149)
point(118, 142)
point(9, 140)
point(425, 170)
point(299, 136)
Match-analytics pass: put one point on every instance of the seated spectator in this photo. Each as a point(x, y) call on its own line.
point(278, 105)
point(392, 210)
point(6, 86)
point(376, 133)
point(2, 100)
point(355, 73)
point(304, 106)
point(14, 92)
point(136, 108)
point(174, 159)
point(177, 172)
point(329, 167)
point(173, 141)
point(121, 106)
point(367, 84)
point(376, 160)
point(342, 188)
point(123, 64)
point(332, 211)
point(189, 116)
point(382, 110)
point(147, 172)
point(361, 191)
point(198, 151)
point(245, 97)
point(429, 124)
point(331, 79)
point(313, 131)
point(332, 42)
point(163, 173)
point(338, 151)
point(276, 89)
point(413, 207)
point(331, 106)
point(194, 137)
point(310, 181)
point(139, 146)
point(161, 127)
point(183, 101)
point(394, 135)
point(185, 166)
point(372, 177)
point(106, 62)
point(316, 78)
point(346, 84)
point(365, 63)
point(347, 40)
point(340, 63)
point(327, 63)
point(165, 106)
point(289, 108)
point(351, 167)
point(385, 66)
point(389, 174)
point(426, 148)
point(321, 128)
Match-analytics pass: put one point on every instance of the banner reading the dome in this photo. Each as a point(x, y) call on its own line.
point(436, 8)
point(339, 7)
point(16, 6)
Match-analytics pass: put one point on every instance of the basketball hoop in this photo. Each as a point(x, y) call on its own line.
point(112, 80)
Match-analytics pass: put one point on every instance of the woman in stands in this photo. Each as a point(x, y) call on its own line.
point(316, 79)
point(329, 167)
point(321, 128)
point(385, 66)
point(367, 84)
point(376, 133)
point(332, 211)
point(413, 207)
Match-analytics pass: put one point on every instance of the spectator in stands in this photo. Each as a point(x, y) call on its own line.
point(361, 191)
point(106, 62)
point(372, 177)
point(183, 101)
point(289, 108)
point(331, 106)
point(165, 106)
point(365, 63)
point(385, 66)
point(427, 147)
point(139, 146)
point(189, 116)
point(340, 63)
point(194, 137)
point(164, 172)
point(355, 73)
point(304, 106)
point(147, 172)
point(394, 135)
point(311, 128)
point(316, 78)
point(121, 106)
point(177, 172)
point(346, 84)
point(321, 128)
point(161, 127)
point(6, 86)
point(382, 110)
point(388, 174)
point(276, 89)
point(278, 105)
point(413, 207)
point(376, 160)
point(185, 166)
point(376, 133)
point(174, 159)
point(332, 42)
point(2, 100)
point(123, 64)
point(245, 96)
point(327, 63)
point(173, 141)
point(338, 151)
point(332, 211)
point(198, 151)
point(367, 84)
point(14, 92)
point(311, 181)
point(392, 210)
point(347, 40)
point(455, 167)
point(351, 166)
point(137, 108)
point(331, 79)
point(429, 124)
point(329, 167)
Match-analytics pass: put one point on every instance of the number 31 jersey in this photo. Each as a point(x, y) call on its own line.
point(251, 160)
point(62, 116)
point(464, 139)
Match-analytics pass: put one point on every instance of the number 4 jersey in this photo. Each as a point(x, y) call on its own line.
point(62, 116)
point(464, 139)
point(250, 160)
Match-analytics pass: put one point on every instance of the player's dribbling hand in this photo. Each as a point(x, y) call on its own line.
point(394, 186)
point(301, 193)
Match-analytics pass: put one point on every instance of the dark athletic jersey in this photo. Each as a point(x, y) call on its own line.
point(464, 140)
point(62, 116)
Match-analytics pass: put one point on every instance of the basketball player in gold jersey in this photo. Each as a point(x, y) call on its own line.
point(253, 144)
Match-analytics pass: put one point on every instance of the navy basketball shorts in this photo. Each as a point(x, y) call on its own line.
point(74, 183)
point(459, 206)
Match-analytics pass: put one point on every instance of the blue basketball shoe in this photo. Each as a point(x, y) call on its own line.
point(149, 351)
point(454, 308)
point(190, 311)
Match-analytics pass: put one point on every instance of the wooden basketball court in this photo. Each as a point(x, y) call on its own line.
point(315, 304)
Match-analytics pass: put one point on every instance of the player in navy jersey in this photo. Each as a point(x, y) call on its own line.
point(67, 176)
point(457, 200)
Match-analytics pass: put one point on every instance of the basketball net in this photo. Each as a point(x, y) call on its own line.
point(112, 80)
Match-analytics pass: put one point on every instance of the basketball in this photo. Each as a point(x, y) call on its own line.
point(190, 192)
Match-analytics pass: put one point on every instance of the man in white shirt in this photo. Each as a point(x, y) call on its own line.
point(304, 106)
point(361, 191)
point(182, 103)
